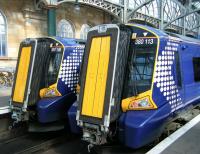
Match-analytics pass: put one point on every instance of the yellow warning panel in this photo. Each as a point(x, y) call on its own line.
point(22, 74)
point(90, 83)
point(96, 77)
point(101, 77)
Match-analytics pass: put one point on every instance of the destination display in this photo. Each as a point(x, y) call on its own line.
point(145, 41)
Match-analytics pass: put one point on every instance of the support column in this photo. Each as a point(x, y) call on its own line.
point(187, 6)
point(126, 4)
point(161, 14)
point(184, 26)
point(51, 25)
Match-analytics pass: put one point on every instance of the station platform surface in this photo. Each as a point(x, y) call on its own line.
point(5, 93)
point(185, 140)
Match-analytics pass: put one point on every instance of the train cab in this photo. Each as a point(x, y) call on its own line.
point(46, 77)
point(133, 83)
point(121, 73)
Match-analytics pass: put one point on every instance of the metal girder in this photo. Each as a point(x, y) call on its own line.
point(145, 18)
point(138, 7)
point(179, 4)
point(191, 29)
point(122, 12)
point(112, 8)
point(182, 16)
point(106, 5)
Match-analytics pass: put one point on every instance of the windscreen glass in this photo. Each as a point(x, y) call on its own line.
point(53, 65)
point(140, 65)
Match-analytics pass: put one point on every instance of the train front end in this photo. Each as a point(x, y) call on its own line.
point(116, 83)
point(103, 73)
point(45, 80)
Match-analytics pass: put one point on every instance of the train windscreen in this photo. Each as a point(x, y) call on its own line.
point(140, 66)
point(52, 68)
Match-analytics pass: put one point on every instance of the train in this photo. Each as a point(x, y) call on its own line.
point(134, 80)
point(45, 82)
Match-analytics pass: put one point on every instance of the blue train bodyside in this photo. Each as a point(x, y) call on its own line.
point(138, 128)
point(172, 91)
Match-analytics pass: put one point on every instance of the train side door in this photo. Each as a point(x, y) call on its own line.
point(179, 78)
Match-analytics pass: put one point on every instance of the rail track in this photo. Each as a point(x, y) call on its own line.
point(13, 133)
point(77, 146)
point(32, 142)
point(19, 141)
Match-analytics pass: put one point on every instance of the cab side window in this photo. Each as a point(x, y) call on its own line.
point(178, 70)
point(196, 68)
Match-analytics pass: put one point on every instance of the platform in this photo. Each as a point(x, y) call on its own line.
point(5, 93)
point(185, 140)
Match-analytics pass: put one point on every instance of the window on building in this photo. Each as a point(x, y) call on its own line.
point(2, 35)
point(196, 68)
point(84, 31)
point(65, 29)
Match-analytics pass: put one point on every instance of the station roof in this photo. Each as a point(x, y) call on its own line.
point(196, 4)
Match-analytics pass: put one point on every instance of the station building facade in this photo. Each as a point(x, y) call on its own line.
point(20, 20)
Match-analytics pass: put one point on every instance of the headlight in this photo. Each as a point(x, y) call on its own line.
point(144, 103)
point(141, 102)
point(49, 92)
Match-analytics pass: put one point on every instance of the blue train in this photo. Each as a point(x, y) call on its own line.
point(45, 81)
point(134, 80)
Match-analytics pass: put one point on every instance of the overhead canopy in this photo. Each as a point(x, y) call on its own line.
point(196, 3)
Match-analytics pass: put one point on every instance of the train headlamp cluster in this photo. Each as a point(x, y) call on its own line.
point(141, 102)
point(49, 92)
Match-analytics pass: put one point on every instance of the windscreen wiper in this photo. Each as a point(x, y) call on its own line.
point(134, 82)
